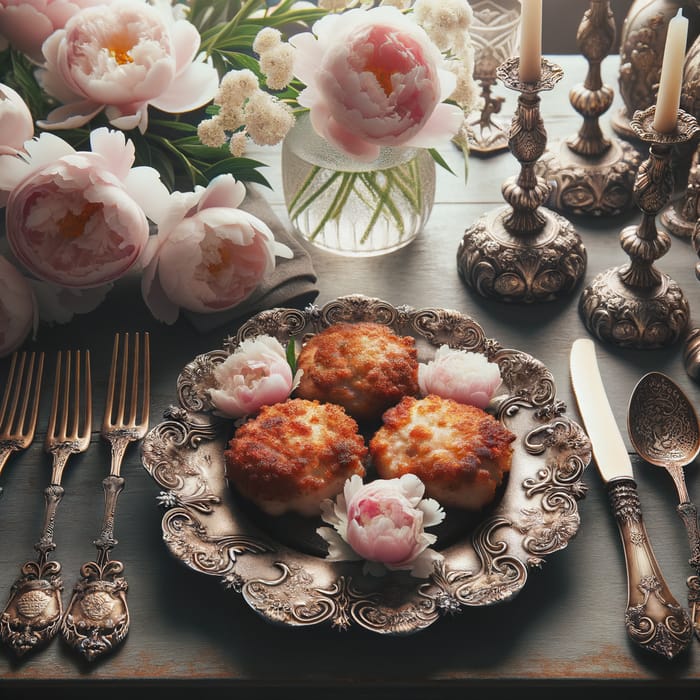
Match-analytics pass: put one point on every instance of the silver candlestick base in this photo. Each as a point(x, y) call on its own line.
point(635, 305)
point(589, 173)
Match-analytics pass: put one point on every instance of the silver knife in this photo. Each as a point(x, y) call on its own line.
point(654, 619)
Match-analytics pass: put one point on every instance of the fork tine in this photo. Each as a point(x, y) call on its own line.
point(32, 388)
point(124, 378)
point(134, 380)
point(53, 414)
point(72, 398)
point(11, 379)
point(87, 413)
point(146, 402)
point(118, 411)
point(24, 381)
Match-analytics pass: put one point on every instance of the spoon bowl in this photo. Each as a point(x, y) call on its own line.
point(664, 429)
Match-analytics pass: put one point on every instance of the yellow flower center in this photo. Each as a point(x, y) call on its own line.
point(119, 50)
point(382, 75)
point(72, 225)
point(225, 258)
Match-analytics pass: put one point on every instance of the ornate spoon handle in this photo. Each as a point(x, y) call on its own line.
point(33, 613)
point(653, 618)
point(97, 617)
point(689, 514)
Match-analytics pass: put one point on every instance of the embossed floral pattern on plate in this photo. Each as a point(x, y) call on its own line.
point(210, 530)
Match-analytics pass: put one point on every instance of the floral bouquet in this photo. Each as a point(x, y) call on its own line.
point(124, 126)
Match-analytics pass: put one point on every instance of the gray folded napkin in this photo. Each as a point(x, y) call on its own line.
point(292, 284)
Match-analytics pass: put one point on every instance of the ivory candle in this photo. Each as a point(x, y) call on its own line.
point(530, 67)
point(669, 96)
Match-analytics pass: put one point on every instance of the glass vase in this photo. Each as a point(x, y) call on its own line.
point(350, 207)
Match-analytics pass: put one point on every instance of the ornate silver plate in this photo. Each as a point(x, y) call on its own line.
point(277, 565)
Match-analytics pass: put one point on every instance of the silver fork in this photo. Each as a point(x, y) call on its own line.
point(23, 381)
point(97, 617)
point(33, 613)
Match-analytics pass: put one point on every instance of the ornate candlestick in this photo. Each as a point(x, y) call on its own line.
point(680, 216)
point(494, 32)
point(589, 173)
point(635, 305)
point(523, 252)
point(691, 351)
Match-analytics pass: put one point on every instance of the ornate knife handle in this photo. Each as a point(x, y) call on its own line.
point(689, 515)
point(97, 617)
point(653, 618)
point(33, 613)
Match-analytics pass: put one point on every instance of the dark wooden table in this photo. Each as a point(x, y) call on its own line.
point(564, 631)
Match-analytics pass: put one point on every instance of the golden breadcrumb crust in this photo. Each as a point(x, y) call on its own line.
point(294, 454)
point(364, 367)
point(460, 452)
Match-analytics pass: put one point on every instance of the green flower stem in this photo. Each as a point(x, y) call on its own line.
point(296, 208)
point(382, 201)
point(401, 179)
point(339, 201)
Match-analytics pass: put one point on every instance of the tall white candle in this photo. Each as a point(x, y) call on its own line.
point(669, 97)
point(530, 41)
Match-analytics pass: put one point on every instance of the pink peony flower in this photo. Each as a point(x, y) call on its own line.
point(78, 218)
point(27, 24)
point(18, 308)
point(16, 126)
point(256, 374)
point(124, 57)
point(466, 377)
point(374, 78)
point(16, 122)
point(208, 255)
point(383, 522)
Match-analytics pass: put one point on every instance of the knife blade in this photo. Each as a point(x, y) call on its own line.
point(653, 618)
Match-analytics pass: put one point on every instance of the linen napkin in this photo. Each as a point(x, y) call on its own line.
point(292, 284)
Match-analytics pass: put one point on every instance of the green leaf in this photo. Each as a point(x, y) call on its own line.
point(291, 356)
point(440, 160)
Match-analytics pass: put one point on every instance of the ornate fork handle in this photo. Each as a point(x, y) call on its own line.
point(97, 617)
point(33, 614)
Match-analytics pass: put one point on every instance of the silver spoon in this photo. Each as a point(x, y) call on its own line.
point(665, 431)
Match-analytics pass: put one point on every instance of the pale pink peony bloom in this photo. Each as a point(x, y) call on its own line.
point(383, 522)
point(18, 308)
point(466, 377)
point(16, 122)
point(208, 254)
point(16, 125)
point(26, 24)
point(78, 218)
point(122, 58)
point(256, 374)
point(374, 78)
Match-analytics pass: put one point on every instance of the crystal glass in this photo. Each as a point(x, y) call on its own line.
point(494, 32)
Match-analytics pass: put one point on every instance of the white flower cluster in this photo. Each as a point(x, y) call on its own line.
point(447, 23)
point(248, 111)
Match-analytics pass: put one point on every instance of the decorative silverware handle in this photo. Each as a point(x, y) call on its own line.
point(113, 486)
point(33, 614)
point(654, 619)
point(97, 617)
point(689, 514)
